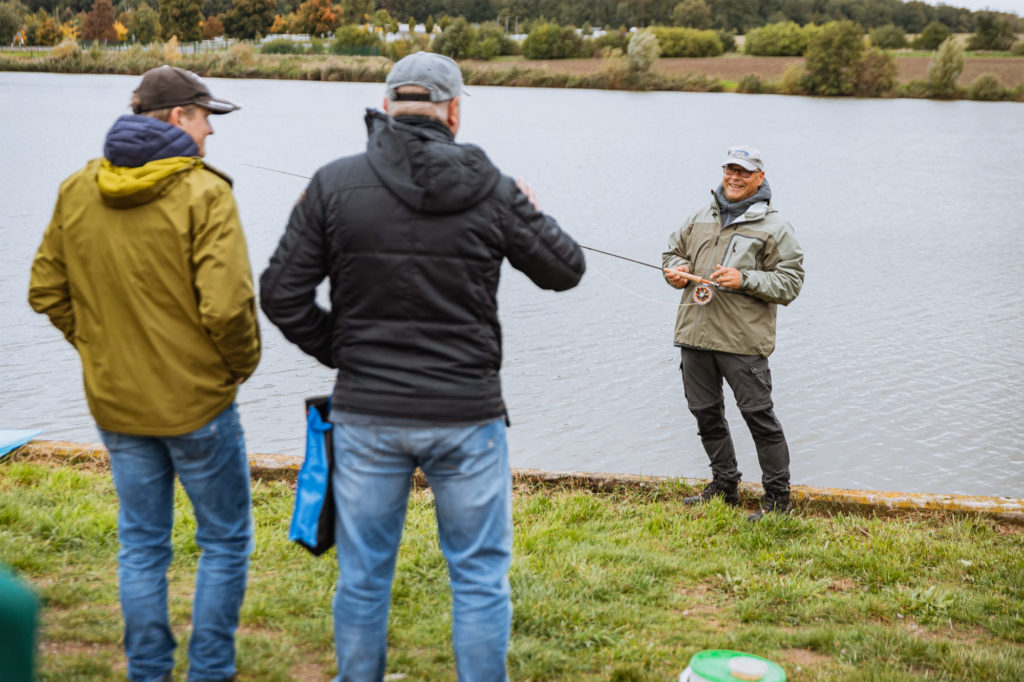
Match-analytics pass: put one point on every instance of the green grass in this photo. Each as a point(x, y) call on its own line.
point(616, 586)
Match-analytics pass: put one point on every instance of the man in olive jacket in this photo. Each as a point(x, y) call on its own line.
point(144, 269)
point(412, 235)
point(745, 246)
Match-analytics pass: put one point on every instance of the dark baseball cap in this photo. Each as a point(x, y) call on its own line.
point(168, 86)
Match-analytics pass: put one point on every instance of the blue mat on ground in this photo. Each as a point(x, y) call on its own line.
point(12, 439)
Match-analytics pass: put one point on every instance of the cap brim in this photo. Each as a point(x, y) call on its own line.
point(740, 162)
point(217, 106)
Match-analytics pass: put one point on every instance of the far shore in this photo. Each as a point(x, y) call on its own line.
point(728, 73)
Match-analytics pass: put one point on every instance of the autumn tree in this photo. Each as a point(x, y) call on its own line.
point(315, 17)
point(99, 22)
point(181, 18)
point(250, 19)
point(212, 28)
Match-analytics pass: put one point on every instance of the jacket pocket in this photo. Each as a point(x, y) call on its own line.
point(742, 252)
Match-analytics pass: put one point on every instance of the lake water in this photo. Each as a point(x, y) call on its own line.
point(897, 368)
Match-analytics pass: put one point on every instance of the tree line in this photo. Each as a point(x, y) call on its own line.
point(47, 22)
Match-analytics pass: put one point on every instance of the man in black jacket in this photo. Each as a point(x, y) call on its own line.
point(412, 234)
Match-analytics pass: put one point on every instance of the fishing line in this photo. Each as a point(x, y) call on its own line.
point(701, 296)
point(634, 293)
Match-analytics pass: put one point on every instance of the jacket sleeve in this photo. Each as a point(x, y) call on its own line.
point(288, 285)
point(49, 291)
point(677, 253)
point(539, 248)
point(783, 274)
point(223, 282)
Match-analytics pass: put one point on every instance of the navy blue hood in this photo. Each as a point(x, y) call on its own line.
point(134, 141)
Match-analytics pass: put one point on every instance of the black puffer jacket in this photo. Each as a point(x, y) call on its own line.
point(412, 235)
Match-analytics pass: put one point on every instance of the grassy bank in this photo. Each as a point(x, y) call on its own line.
point(730, 73)
point(623, 586)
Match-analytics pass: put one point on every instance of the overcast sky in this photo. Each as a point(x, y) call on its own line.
point(1015, 6)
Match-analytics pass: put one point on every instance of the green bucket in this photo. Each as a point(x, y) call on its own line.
point(720, 665)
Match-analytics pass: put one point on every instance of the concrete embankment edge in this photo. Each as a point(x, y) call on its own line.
point(286, 467)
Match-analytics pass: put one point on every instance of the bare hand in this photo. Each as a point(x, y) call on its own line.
point(676, 280)
point(730, 278)
point(528, 191)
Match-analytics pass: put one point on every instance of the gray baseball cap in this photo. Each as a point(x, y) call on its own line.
point(745, 156)
point(440, 76)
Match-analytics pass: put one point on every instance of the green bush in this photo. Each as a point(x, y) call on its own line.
point(456, 41)
point(281, 46)
point(687, 42)
point(888, 37)
point(350, 39)
point(995, 32)
point(875, 74)
point(987, 88)
point(642, 51)
point(832, 58)
point(753, 84)
point(933, 35)
point(916, 89)
point(551, 41)
point(605, 44)
point(784, 39)
point(1018, 49)
point(728, 41)
point(945, 68)
point(492, 41)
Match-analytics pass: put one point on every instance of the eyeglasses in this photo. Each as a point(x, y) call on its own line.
point(736, 170)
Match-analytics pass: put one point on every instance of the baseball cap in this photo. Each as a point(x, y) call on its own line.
point(745, 156)
point(438, 74)
point(168, 86)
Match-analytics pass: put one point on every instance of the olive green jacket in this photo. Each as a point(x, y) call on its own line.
point(762, 246)
point(146, 272)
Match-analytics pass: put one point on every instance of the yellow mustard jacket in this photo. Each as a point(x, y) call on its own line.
point(146, 272)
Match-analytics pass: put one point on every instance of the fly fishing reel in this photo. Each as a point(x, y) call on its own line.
point(702, 294)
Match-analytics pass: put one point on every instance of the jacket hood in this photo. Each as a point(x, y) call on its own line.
point(134, 141)
point(418, 159)
point(125, 187)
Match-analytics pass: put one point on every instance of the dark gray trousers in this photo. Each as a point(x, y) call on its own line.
point(751, 383)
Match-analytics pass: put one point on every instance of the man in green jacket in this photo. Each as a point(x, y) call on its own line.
point(144, 269)
point(741, 244)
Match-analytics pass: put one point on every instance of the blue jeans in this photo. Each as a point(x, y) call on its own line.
point(468, 472)
point(213, 468)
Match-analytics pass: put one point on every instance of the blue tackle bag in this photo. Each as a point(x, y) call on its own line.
point(313, 517)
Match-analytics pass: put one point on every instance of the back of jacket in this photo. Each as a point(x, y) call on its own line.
point(145, 271)
point(412, 235)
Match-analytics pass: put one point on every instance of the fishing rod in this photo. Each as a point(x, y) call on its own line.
point(701, 294)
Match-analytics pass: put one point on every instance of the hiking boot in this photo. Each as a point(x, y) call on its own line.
point(727, 490)
point(772, 503)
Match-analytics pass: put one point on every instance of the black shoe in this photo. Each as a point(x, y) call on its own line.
point(727, 490)
point(773, 503)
